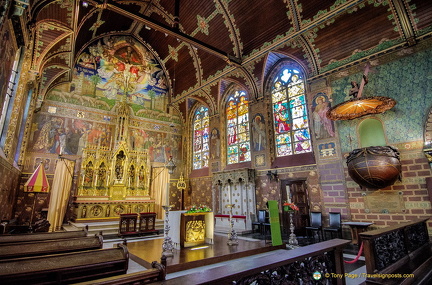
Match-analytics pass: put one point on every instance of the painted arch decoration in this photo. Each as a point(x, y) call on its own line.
point(116, 69)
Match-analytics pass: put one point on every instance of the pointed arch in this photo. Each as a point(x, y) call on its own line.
point(200, 137)
point(237, 124)
point(286, 88)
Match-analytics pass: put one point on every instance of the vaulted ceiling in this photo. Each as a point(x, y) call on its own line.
point(202, 45)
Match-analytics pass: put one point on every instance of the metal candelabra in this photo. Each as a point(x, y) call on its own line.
point(232, 235)
point(167, 245)
point(292, 241)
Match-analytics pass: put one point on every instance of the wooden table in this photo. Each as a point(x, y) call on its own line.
point(356, 228)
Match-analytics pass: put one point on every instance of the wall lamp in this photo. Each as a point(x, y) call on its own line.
point(272, 176)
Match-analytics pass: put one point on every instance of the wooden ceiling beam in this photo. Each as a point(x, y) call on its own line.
point(172, 31)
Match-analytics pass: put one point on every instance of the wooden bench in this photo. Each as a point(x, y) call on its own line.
point(156, 273)
point(38, 248)
point(65, 268)
point(14, 238)
point(400, 254)
point(147, 223)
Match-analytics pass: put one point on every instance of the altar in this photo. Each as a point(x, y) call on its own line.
point(191, 229)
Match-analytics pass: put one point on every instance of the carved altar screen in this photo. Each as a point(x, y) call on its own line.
point(235, 187)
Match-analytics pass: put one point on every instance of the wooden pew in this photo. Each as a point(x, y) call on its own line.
point(14, 238)
point(45, 247)
point(65, 268)
point(279, 267)
point(156, 273)
point(400, 254)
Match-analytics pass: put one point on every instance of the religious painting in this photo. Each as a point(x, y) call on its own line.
point(323, 126)
point(258, 133)
point(160, 146)
point(52, 134)
point(215, 143)
point(116, 69)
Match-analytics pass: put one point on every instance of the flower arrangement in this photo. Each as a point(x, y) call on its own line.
point(198, 209)
point(288, 207)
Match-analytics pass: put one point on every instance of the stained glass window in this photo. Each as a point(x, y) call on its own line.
point(201, 138)
point(238, 137)
point(292, 135)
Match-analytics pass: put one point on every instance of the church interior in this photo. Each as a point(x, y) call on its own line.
point(266, 119)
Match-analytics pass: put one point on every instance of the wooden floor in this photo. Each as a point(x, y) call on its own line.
point(144, 252)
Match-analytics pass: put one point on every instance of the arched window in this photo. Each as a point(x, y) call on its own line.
point(292, 135)
point(238, 137)
point(201, 138)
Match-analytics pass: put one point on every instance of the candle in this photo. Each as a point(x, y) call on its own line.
point(288, 192)
point(167, 193)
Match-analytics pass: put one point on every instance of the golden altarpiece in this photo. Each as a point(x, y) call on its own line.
point(114, 180)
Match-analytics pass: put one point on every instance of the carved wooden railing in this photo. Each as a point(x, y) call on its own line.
point(399, 253)
point(281, 267)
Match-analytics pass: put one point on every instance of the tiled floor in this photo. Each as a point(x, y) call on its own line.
point(354, 270)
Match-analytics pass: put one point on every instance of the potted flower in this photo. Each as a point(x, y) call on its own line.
point(290, 207)
point(198, 209)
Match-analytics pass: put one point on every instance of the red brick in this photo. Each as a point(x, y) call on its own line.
point(414, 199)
point(360, 217)
point(421, 192)
point(355, 211)
point(379, 223)
point(384, 217)
point(407, 161)
point(372, 217)
point(424, 173)
point(333, 193)
point(421, 160)
point(415, 167)
point(398, 187)
point(409, 174)
point(417, 211)
point(400, 218)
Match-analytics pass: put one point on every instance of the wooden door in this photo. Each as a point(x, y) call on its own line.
point(297, 190)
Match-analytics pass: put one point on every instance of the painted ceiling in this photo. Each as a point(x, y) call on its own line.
point(201, 46)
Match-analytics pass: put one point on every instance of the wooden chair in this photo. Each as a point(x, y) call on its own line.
point(335, 225)
point(315, 226)
point(147, 223)
point(263, 223)
point(128, 224)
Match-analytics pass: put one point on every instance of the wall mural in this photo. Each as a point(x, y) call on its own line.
point(160, 146)
point(52, 134)
point(323, 126)
point(116, 69)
